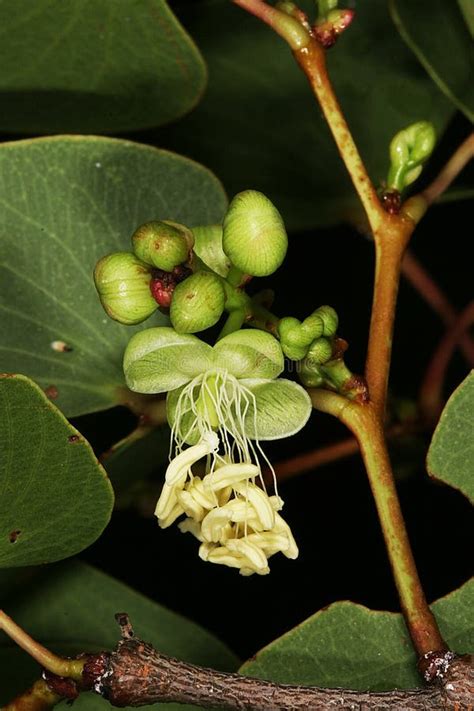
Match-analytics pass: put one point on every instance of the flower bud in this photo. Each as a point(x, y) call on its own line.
point(208, 247)
point(164, 245)
point(409, 149)
point(123, 283)
point(330, 320)
point(320, 351)
point(197, 303)
point(254, 236)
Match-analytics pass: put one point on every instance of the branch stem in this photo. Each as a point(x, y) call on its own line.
point(457, 162)
point(365, 423)
point(289, 28)
point(426, 286)
point(392, 239)
point(431, 391)
point(312, 61)
point(71, 668)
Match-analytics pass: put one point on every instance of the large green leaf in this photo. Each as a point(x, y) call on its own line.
point(72, 610)
point(94, 66)
point(467, 9)
point(259, 126)
point(55, 499)
point(451, 453)
point(64, 203)
point(350, 646)
point(436, 32)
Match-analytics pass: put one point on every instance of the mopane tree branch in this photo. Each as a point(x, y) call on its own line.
point(135, 674)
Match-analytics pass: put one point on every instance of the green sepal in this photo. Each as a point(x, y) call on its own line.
point(282, 408)
point(159, 359)
point(208, 247)
point(250, 354)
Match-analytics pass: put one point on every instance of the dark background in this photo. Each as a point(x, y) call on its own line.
point(330, 510)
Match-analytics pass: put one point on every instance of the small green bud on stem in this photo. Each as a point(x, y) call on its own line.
point(164, 245)
point(254, 236)
point(297, 337)
point(409, 149)
point(197, 303)
point(331, 22)
point(123, 284)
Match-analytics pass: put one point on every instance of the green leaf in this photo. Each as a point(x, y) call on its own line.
point(467, 9)
point(282, 408)
point(259, 126)
point(64, 203)
point(350, 646)
point(72, 610)
point(451, 453)
point(55, 499)
point(250, 354)
point(437, 34)
point(159, 359)
point(92, 66)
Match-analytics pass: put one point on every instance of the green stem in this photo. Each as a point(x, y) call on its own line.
point(286, 26)
point(234, 321)
point(365, 423)
point(260, 317)
point(71, 668)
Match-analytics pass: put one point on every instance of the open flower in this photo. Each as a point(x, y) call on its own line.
point(222, 401)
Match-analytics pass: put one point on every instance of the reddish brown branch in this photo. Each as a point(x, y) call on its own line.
point(417, 275)
point(463, 154)
point(431, 399)
point(307, 461)
point(135, 674)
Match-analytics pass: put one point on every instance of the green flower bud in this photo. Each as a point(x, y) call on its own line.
point(319, 353)
point(164, 245)
point(294, 352)
point(313, 326)
point(197, 303)
point(286, 326)
point(123, 283)
point(409, 149)
point(311, 378)
point(330, 320)
point(254, 236)
point(208, 247)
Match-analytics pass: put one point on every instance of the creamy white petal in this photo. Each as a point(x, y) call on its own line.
point(260, 502)
point(213, 523)
point(180, 465)
point(171, 517)
point(190, 505)
point(254, 556)
point(191, 526)
point(166, 502)
point(230, 474)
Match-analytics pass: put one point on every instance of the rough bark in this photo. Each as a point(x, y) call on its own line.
point(136, 674)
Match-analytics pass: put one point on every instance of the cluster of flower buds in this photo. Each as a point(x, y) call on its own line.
point(298, 338)
point(133, 285)
point(234, 519)
point(185, 271)
point(319, 352)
